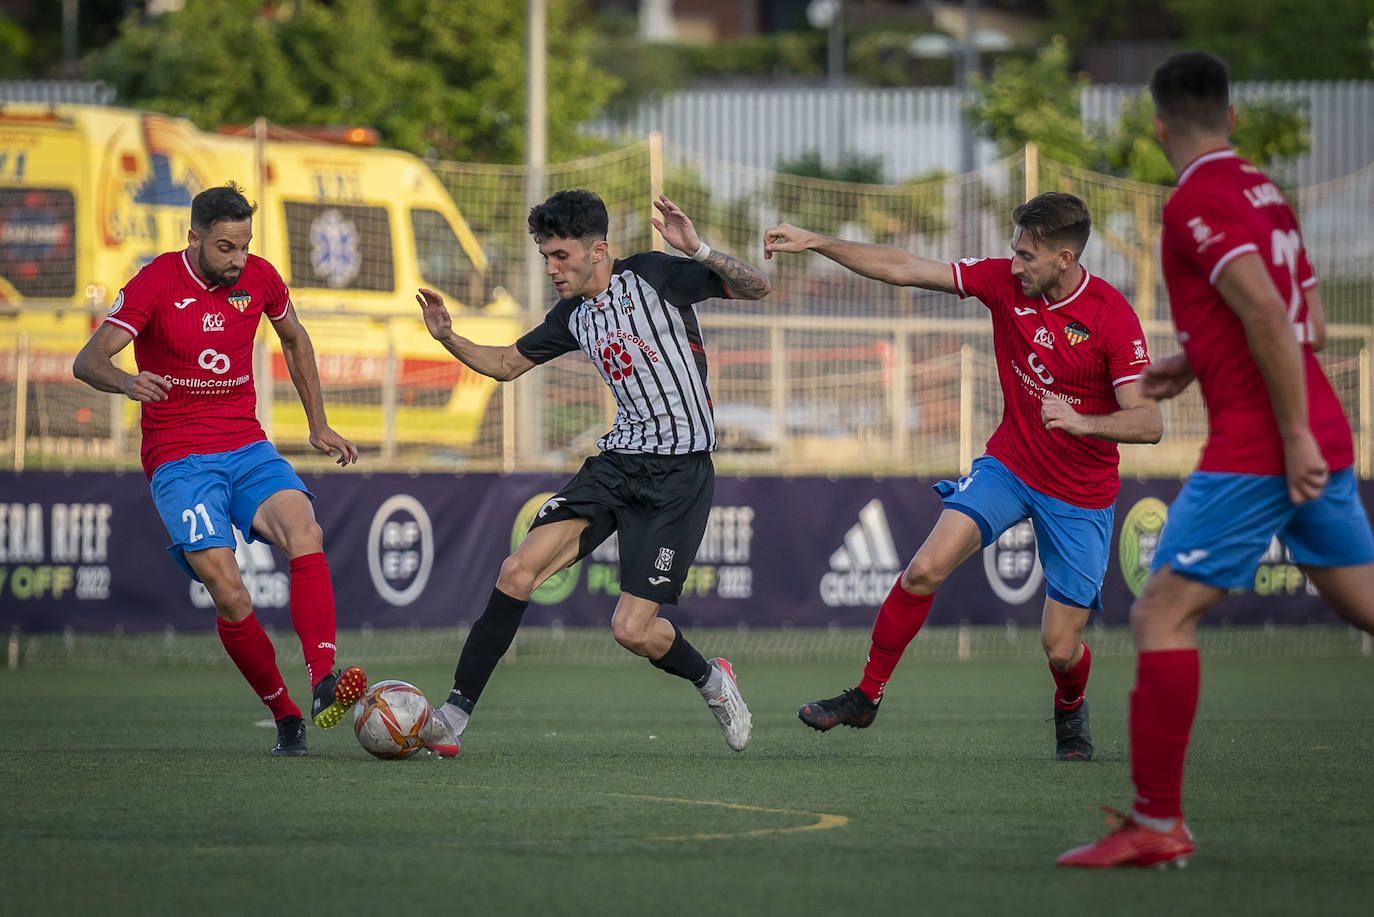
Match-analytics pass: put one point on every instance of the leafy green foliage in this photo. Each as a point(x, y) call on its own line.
point(453, 87)
point(1037, 101)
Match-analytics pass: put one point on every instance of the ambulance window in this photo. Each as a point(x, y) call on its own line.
point(443, 263)
point(38, 241)
point(340, 246)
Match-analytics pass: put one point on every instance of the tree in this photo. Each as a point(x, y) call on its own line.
point(435, 77)
point(1261, 39)
point(1037, 101)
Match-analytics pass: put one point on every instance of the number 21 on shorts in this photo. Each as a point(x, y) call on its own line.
point(189, 516)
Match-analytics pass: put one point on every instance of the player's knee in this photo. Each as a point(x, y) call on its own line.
point(517, 578)
point(1060, 653)
point(232, 600)
point(923, 575)
point(630, 635)
point(307, 538)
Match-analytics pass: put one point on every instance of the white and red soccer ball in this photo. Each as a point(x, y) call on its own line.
point(392, 720)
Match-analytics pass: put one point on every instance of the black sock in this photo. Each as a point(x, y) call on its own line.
point(683, 660)
point(487, 642)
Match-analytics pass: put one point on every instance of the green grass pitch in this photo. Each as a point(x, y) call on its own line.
point(607, 789)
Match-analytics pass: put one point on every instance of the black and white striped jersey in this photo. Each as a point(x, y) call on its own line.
point(643, 336)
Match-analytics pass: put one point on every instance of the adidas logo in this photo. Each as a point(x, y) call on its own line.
point(863, 569)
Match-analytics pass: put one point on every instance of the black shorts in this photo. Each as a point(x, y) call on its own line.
point(658, 503)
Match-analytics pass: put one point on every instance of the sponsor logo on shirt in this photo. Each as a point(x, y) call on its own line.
point(1139, 351)
point(182, 304)
point(1044, 337)
point(118, 303)
point(1077, 333)
point(240, 299)
point(212, 321)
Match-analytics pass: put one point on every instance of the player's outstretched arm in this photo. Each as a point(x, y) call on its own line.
point(742, 279)
point(880, 262)
point(1138, 421)
point(299, 354)
point(500, 363)
point(1249, 291)
point(94, 365)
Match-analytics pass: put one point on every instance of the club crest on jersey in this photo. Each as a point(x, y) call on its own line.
point(1044, 337)
point(1076, 332)
point(212, 321)
point(627, 305)
point(240, 299)
point(1203, 236)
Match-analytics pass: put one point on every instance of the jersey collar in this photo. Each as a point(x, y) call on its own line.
point(1213, 156)
point(1082, 285)
point(193, 275)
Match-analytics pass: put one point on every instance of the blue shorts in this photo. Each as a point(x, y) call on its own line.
point(1221, 525)
point(203, 498)
point(1073, 542)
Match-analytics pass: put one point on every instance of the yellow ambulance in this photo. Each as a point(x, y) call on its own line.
point(89, 194)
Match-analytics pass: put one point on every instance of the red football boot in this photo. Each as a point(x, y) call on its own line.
point(1132, 844)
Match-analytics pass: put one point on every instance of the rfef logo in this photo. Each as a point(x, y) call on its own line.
point(400, 549)
point(1012, 564)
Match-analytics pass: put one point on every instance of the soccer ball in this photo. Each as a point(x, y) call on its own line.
point(391, 720)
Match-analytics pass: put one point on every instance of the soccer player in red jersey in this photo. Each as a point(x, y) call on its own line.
point(192, 316)
point(1069, 352)
point(1278, 458)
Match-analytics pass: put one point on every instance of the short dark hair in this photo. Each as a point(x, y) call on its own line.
point(1055, 218)
point(570, 215)
point(213, 205)
point(1192, 88)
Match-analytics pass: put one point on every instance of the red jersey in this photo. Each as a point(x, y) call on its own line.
point(1080, 348)
point(200, 338)
point(1223, 208)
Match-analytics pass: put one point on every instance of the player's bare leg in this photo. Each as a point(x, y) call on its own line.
point(544, 551)
point(1349, 591)
point(954, 539)
point(1061, 635)
point(1163, 703)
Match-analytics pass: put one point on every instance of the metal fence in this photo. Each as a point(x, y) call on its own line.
point(917, 130)
point(831, 374)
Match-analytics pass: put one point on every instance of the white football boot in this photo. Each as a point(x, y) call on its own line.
point(443, 733)
point(723, 697)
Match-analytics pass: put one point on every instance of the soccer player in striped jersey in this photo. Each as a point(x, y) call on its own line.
point(1278, 457)
point(192, 316)
point(635, 318)
point(1069, 353)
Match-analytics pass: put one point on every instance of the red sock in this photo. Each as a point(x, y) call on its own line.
point(899, 619)
point(252, 651)
point(312, 613)
point(1070, 684)
point(1162, 707)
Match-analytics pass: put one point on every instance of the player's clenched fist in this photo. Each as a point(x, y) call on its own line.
point(787, 238)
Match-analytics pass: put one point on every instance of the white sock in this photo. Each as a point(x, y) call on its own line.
point(456, 717)
point(711, 688)
point(1162, 825)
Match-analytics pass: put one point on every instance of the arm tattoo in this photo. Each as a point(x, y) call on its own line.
point(740, 276)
